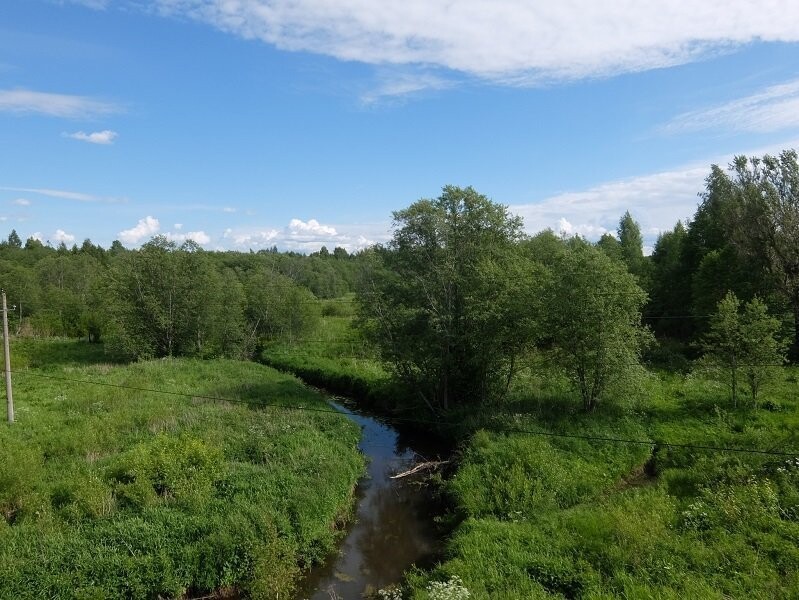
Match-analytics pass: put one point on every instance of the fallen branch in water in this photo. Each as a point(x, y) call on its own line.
point(424, 466)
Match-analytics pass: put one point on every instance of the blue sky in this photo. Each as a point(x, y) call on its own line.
point(248, 123)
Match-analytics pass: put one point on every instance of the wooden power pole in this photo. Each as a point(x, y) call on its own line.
point(7, 354)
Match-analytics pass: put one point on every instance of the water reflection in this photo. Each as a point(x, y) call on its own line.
point(393, 526)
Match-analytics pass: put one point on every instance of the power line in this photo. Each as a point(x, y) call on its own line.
point(281, 352)
point(534, 432)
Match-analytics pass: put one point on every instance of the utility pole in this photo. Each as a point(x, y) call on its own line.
point(7, 354)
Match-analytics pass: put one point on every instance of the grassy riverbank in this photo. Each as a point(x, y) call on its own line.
point(544, 517)
point(540, 511)
point(335, 357)
point(112, 491)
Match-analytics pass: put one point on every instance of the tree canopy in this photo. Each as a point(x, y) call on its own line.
point(593, 317)
point(443, 301)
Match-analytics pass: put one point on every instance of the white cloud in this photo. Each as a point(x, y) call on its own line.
point(21, 101)
point(252, 239)
point(309, 236)
point(657, 201)
point(178, 226)
point(772, 109)
point(402, 83)
point(311, 228)
point(228, 209)
point(564, 227)
point(104, 137)
point(37, 235)
point(63, 194)
point(200, 237)
point(146, 227)
point(62, 236)
point(22, 202)
point(513, 41)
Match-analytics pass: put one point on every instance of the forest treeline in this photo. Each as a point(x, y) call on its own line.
point(460, 299)
point(168, 299)
point(454, 300)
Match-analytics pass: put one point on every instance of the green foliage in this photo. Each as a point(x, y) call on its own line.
point(121, 493)
point(631, 248)
point(552, 517)
point(447, 305)
point(197, 301)
point(593, 316)
point(743, 345)
point(670, 280)
point(610, 246)
point(764, 220)
point(163, 298)
point(13, 239)
point(278, 308)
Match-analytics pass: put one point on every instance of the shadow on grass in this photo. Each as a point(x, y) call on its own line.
point(43, 353)
point(285, 391)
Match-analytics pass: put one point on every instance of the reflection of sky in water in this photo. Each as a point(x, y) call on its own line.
point(392, 528)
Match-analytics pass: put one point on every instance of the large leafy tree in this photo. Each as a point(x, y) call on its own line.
point(278, 308)
point(165, 300)
point(446, 301)
point(594, 319)
point(765, 220)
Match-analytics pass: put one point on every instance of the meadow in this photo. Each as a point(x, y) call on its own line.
point(117, 491)
point(548, 501)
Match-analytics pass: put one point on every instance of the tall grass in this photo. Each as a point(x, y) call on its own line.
point(550, 517)
point(110, 492)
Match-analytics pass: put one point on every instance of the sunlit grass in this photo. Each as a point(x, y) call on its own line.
point(115, 492)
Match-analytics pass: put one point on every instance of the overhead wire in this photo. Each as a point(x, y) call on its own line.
point(416, 421)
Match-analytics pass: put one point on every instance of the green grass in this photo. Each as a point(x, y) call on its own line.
point(551, 517)
point(560, 517)
point(335, 357)
point(111, 492)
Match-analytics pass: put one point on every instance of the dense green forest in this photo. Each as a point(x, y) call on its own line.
point(625, 422)
point(166, 299)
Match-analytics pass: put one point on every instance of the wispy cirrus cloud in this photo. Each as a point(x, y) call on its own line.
point(64, 194)
point(21, 101)
point(393, 84)
point(507, 41)
point(775, 108)
point(105, 137)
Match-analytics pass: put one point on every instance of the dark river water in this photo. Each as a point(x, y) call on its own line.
point(393, 526)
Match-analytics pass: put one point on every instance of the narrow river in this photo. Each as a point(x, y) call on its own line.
point(393, 526)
